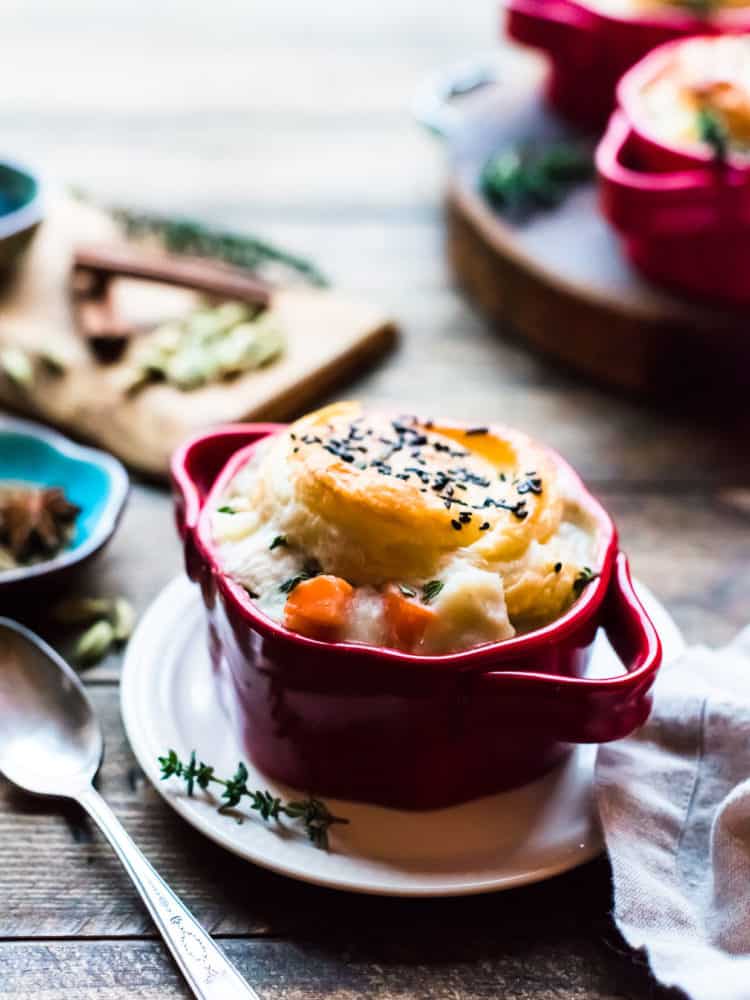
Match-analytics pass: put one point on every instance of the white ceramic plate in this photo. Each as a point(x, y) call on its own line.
point(497, 842)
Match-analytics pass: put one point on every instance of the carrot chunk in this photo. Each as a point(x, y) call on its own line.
point(407, 619)
point(318, 607)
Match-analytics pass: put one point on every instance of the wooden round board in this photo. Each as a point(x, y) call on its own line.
point(559, 279)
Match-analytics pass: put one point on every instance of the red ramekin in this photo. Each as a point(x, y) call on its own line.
point(416, 732)
point(589, 50)
point(683, 218)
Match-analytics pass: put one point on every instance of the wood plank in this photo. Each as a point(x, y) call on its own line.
point(347, 55)
point(263, 171)
point(499, 961)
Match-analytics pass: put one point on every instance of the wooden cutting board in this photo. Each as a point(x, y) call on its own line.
point(327, 337)
point(560, 280)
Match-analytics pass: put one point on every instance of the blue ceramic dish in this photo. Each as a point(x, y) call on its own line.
point(91, 479)
point(21, 210)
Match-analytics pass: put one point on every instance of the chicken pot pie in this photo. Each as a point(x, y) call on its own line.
point(699, 9)
point(701, 95)
point(419, 535)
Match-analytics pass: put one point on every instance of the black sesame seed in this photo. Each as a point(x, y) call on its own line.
point(456, 525)
point(558, 567)
point(476, 430)
point(484, 526)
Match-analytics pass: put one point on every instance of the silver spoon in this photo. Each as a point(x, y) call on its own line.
point(51, 744)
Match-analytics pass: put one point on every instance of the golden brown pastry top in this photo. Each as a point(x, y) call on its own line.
point(481, 525)
point(387, 497)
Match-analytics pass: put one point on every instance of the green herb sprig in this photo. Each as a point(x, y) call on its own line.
point(713, 131)
point(314, 815)
point(431, 589)
point(583, 579)
point(309, 570)
point(524, 178)
point(189, 236)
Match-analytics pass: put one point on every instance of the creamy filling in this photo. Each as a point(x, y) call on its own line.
point(702, 9)
point(466, 593)
point(702, 92)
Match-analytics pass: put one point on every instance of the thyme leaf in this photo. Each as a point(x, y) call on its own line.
point(583, 579)
point(313, 814)
point(431, 589)
point(308, 571)
point(521, 179)
point(713, 131)
point(189, 236)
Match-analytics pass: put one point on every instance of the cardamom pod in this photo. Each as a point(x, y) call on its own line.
point(17, 366)
point(210, 344)
point(82, 610)
point(53, 363)
point(95, 642)
point(6, 559)
point(123, 619)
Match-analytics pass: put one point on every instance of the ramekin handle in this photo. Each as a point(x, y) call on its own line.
point(432, 105)
point(553, 27)
point(652, 203)
point(592, 710)
point(195, 466)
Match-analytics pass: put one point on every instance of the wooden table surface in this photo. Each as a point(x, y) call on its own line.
point(291, 118)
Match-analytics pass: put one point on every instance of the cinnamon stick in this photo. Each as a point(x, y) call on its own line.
point(96, 265)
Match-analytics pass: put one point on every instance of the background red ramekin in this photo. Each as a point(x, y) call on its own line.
point(683, 217)
point(590, 50)
point(417, 732)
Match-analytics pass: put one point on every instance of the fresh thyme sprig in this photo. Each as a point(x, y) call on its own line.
point(523, 178)
point(584, 578)
point(189, 236)
point(713, 131)
point(314, 815)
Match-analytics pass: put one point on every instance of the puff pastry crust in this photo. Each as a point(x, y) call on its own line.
point(703, 75)
point(377, 499)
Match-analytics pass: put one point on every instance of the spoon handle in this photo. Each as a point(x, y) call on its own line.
point(204, 965)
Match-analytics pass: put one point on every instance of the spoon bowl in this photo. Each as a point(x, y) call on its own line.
point(51, 744)
point(50, 739)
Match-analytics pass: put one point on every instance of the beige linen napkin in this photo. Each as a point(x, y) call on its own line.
point(674, 801)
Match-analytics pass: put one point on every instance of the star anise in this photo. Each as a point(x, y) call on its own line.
point(35, 522)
